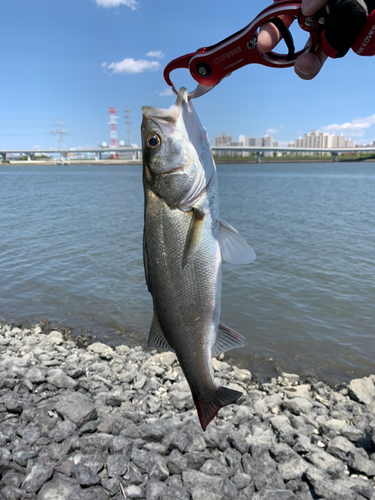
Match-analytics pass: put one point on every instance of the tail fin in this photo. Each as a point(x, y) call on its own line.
point(207, 409)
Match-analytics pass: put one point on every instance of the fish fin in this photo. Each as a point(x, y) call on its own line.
point(208, 409)
point(194, 235)
point(156, 337)
point(226, 340)
point(234, 248)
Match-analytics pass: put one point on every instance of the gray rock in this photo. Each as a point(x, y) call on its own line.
point(36, 375)
point(95, 443)
point(59, 488)
point(12, 478)
point(362, 390)
point(95, 493)
point(76, 407)
point(62, 431)
point(13, 406)
point(326, 488)
point(111, 485)
point(241, 480)
point(294, 469)
point(176, 462)
point(36, 477)
point(84, 475)
point(102, 350)
point(55, 338)
point(143, 460)
point(159, 472)
point(134, 491)
point(193, 479)
point(360, 462)
point(274, 495)
point(214, 468)
point(156, 490)
point(133, 476)
point(340, 447)
point(21, 457)
point(117, 465)
point(298, 405)
point(210, 494)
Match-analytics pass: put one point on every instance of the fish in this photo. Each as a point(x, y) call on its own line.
point(184, 243)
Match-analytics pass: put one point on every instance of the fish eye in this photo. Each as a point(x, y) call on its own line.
point(153, 141)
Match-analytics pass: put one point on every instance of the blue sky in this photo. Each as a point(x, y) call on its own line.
point(70, 60)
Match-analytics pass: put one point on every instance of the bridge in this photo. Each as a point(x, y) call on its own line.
point(137, 152)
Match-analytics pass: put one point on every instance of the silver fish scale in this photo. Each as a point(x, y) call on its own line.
point(186, 301)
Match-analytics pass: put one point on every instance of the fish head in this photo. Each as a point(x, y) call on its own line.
point(177, 157)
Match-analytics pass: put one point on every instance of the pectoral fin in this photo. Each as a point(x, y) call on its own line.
point(234, 248)
point(194, 234)
point(226, 340)
point(156, 337)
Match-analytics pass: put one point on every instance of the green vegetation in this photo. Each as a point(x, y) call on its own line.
point(295, 158)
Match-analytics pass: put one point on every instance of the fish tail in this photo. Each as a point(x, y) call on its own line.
point(207, 408)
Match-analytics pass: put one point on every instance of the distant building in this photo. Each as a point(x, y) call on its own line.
point(314, 139)
point(224, 140)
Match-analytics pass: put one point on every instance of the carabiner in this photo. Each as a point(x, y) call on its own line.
point(209, 65)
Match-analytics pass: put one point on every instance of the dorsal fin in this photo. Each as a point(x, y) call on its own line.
point(194, 234)
point(226, 340)
point(234, 248)
point(156, 337)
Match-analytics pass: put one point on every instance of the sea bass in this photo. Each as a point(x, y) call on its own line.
point(184, 244)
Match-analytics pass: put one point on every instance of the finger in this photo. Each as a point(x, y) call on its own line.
point(309, 7)
point(308, 65)
point(269, 36)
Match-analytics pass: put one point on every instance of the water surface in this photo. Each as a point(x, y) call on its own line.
point(71, 251)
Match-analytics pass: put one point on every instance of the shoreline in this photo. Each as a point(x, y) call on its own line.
point(217, 161)
point(83, 421)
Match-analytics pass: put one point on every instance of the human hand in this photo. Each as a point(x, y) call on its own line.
point(349, 24)
point(307, 65)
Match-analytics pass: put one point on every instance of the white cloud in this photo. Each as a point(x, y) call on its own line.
point(166, 92)
point(356, 128)
point(37, 147)
point(104, 65)
point(271, 131)
point(132, 4)
point(155, 53)
point(131, 66)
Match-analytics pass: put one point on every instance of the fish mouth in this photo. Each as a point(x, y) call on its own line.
point(171, 114)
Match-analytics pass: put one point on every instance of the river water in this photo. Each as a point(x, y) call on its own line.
point(71, 251)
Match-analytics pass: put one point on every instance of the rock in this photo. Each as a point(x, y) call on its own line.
point(55, 338)
point(340, 447)
point(117, 465)
point(274, 495)
point(193, 479)
point(134, 491)
point(328, 489)
point(36, 477)
point(76, 407)
point(294, 469)
point(156, 490)
point(362, 390)
point(360, 462)
point(62, 431)
point(84, 475)
point(102, 350)
point(59, 488)
point(298, 405)
point(59, 379)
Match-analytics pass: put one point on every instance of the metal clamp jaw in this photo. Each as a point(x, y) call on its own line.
point(209, 65)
